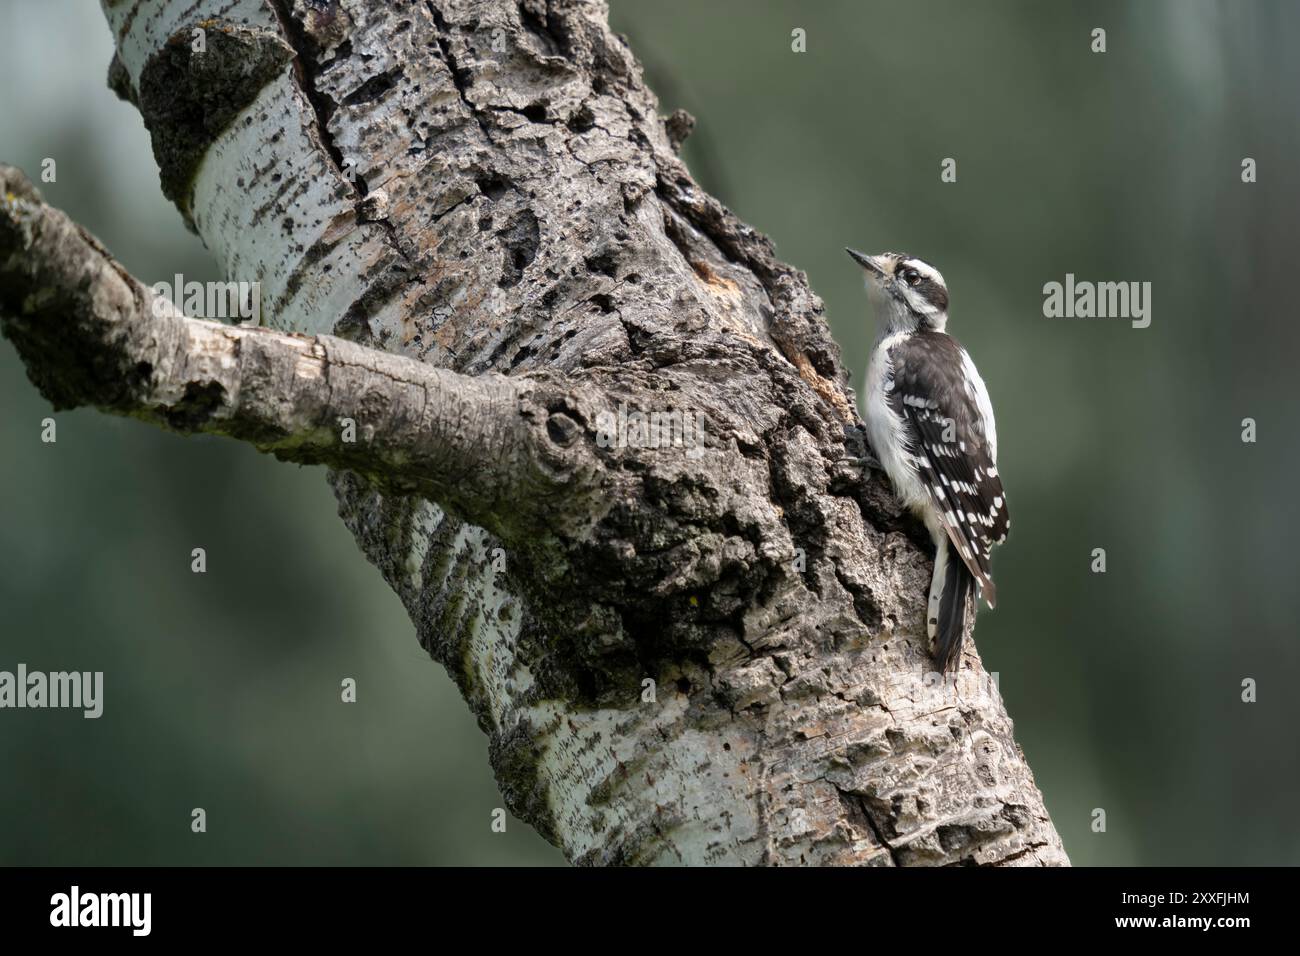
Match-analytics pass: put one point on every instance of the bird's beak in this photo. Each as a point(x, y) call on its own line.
point(867, 262)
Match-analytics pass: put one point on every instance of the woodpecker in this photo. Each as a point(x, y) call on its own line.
point(930, 424)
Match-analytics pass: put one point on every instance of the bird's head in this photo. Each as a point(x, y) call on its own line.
point(910, 290)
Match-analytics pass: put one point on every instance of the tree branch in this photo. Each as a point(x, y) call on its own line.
point(499, 451)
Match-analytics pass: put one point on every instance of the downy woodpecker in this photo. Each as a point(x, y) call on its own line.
point(930, 423)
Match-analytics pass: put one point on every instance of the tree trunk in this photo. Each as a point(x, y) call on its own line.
point(701, 643)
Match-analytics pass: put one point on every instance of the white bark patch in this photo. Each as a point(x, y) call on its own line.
point(290, 221)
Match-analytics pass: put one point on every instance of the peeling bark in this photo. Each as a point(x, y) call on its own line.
point(486, 189)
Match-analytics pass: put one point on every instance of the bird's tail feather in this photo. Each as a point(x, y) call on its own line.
point(951, 591)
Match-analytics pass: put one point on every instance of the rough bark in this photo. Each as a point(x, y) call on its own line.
point(486, 188)
point(93, 335)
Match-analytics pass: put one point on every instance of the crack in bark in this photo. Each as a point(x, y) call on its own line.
point(305, 72)
point(875, 828)
point(457, 78)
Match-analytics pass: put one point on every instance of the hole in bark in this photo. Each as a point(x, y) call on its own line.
point(683, 685)
point(373, 88)
point(583, 120)
point(521, 238)
point(554, 40)
point(562, 429)
point(535, 112)
point(603, 263)
point(603, 302)
point(493, 186)
point(142, 372)
point(196, 405)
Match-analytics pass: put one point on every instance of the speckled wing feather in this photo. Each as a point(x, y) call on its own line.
point(948, 426)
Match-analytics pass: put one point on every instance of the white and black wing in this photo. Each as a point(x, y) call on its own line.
point(947, 422)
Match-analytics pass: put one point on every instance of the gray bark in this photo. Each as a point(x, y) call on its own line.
point(482, 199)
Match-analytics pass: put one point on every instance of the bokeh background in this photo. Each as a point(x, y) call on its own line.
point(222, 689)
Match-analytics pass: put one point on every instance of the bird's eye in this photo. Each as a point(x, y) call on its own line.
point(911, 276)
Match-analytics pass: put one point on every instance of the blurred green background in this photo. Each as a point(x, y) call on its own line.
point(222, 690)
